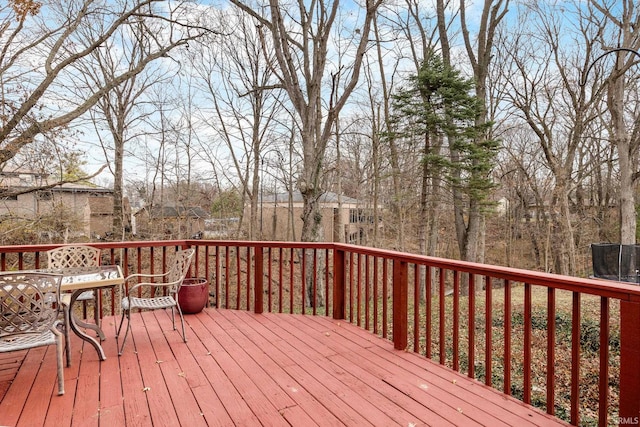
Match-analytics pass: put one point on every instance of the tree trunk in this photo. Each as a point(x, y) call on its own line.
point(615, 101)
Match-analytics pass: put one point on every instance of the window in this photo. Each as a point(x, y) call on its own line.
point(45, 195)
point(7, 196)
point(360, 216)
point(353, 216)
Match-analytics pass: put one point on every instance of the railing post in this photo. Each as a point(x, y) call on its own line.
point(400, 303)
point(259, 280)
point(339, 268)
point(629, 411)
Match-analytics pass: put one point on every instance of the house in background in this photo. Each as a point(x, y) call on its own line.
point(170, 221)
point(344, 219)
point(91, 205)
point(99, 213)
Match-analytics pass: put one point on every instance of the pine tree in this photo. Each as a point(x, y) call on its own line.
point(438, 109)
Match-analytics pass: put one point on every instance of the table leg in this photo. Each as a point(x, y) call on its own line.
point(93, 326)
point(74, 327)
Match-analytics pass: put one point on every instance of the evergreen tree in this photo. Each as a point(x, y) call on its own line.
point(439, 110)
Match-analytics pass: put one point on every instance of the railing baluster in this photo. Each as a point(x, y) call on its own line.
point(472, 327)
point(428, 313)
point(291, 287)
point(443, 356)
point(385, 297)
point(488, 320)
point(303, 272)
point(327, 311)
point(280, 282)
point(248, 276)
point(575, 358)
point(238, 285)
point(258, 280)
point(603, 388)
point(507, 337)
point(367, 293)
point(374, 261)
point(269, 279)
point(527, 344)
point(314, 303)
point(551, 351)
point(139, 269)
point(456, 320)
point(416, 308)
point(207, 272)
point(358, 289)
point(351, 280)
point(226, 277)
point(217, 274)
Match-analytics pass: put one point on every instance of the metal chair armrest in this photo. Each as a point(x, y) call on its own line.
point(145, 275)
point(150, 284)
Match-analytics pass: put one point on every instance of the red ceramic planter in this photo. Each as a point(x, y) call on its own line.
point(193, 295)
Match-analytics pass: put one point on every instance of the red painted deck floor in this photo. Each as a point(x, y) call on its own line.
point(243, 369)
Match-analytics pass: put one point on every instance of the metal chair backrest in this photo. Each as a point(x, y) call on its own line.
point(28, 302)
point(180, 268)
point(73, 256)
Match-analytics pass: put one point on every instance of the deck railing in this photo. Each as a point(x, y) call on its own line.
point(570, 346)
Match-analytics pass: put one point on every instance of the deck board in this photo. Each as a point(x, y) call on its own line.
point(361, 397)
point(239, 368)
point(235, 407)
point(443, 394)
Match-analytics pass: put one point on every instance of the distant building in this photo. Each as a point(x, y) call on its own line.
point(344, 219)
point(92, 205)
point(99, 212)
point(171, 221)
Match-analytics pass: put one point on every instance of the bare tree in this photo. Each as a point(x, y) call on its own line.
point(123, 110)
point(625, 43)
point(301, 38)
point(543, 85)
point(237, 82)
point(44, 45)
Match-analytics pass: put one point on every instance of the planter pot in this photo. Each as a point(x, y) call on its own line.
point(193, 295)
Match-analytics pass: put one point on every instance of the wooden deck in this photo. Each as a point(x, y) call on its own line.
point(243, 369)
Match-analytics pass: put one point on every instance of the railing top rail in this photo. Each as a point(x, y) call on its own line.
point(160, 243)
point(617, 290)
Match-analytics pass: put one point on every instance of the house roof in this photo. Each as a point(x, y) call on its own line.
point(77, 187)
point(328, 197)
point(23, 179)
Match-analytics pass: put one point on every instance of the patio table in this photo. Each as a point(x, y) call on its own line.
point(80, 279)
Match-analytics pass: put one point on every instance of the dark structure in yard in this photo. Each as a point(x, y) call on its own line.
point(613, 261)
